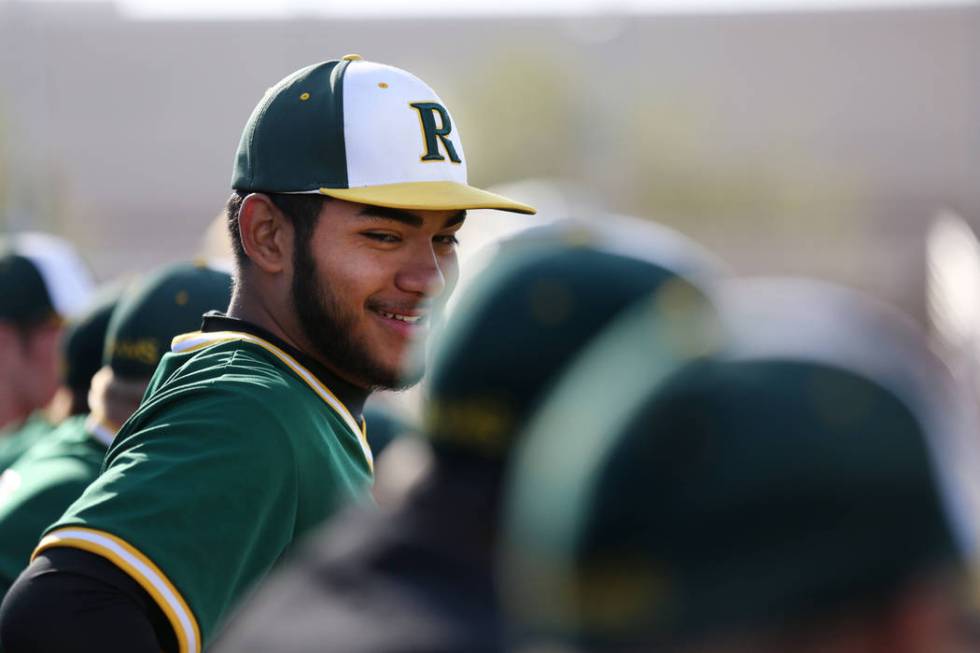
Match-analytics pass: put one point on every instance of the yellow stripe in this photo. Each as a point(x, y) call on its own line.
point(186, 343)
point(428, 195)
point(188, 642)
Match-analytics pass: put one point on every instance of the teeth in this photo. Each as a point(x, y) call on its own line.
point(403, 318)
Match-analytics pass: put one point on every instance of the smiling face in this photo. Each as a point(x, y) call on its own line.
point(367, 285)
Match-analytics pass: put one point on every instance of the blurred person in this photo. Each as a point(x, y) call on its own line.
point(421, 577)
point(80, 358)
point(811, 486)
point(43, 282)
point(81, 352)
point(393, 437)
point(349, 188)
point(41, 484)
point(384, 425)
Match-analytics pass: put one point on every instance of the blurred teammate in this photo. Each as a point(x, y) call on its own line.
point(421, 579)
point(349, 187)
point(80, 358)
point(811, 487)
point(42, 283)
point(36, 489)
point(82, 351)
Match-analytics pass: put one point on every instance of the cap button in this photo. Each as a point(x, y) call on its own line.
point(352, 57)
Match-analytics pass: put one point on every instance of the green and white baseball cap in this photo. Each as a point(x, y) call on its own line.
point(41, 276)
point(363, 132)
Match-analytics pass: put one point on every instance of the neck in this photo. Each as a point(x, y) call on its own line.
point(246, 307)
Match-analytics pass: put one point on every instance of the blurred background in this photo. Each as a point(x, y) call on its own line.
point(814, 138)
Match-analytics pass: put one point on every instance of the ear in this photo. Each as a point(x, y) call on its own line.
point(267, 236)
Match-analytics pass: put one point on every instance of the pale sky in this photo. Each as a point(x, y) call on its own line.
point(390, 8)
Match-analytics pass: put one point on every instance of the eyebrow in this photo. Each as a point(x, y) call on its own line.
point(407, 217)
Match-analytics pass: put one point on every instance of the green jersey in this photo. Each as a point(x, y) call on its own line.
point(36, 489)
point(15, 442)
point(237, 449)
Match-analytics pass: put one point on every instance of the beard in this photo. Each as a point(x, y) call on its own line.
point(330, 330)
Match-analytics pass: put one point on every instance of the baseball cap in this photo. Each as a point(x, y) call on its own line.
point(819, 461)
point(510, 338)
point(363, 132)
point(85, 336)
point(167, 303)
point(41, 276)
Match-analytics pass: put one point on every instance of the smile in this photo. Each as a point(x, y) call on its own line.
point(409, 319)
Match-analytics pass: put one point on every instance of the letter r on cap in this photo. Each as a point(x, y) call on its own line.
point(434, 132)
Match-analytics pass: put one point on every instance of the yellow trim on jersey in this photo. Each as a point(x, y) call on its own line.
point(139, 568)
point(189, 342)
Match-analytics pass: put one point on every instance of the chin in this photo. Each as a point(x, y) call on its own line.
point(395, 379)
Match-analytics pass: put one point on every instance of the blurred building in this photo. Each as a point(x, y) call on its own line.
point(817, 142)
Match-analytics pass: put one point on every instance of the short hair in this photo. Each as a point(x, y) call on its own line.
point(301, 209)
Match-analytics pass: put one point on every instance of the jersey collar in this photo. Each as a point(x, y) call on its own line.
point(220, 328)
point(350, 395)
point(100, 430)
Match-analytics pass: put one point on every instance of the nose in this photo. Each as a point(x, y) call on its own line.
point(423, 274)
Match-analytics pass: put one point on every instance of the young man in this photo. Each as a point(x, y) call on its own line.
point(422, 578)
point(37, 488)
point(350, 185)
point(42, 283)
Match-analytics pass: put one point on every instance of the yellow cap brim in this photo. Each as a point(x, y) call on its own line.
point(428, 196)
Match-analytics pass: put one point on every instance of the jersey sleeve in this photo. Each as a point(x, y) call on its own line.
point(196, 502)
point(38, 496)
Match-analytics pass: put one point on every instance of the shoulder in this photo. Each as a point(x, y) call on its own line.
point(235, 376)
point(264, 379)
point(239, 363)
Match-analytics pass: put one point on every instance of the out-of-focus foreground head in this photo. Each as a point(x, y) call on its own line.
point(810, 486)
point(548, 293)
point(149, 315)
point(43, 281)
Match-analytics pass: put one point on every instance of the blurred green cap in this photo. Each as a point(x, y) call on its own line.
point(522, 323)
point(154, 311)
point(41, 276)
point(819, 461)
point(84, 338)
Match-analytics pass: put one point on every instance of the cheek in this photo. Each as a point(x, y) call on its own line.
point(351, 279)
point(39, 364)
point(44, 351)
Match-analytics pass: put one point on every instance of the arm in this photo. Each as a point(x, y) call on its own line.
point(191, 506)
point(69, 600)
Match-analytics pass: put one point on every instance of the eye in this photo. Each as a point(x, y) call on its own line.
point(447, 239)
point(382, 237)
